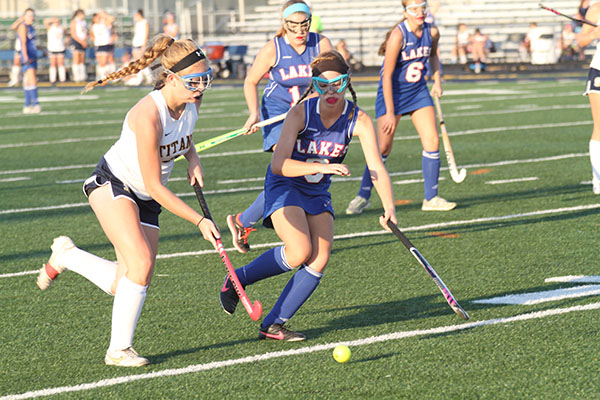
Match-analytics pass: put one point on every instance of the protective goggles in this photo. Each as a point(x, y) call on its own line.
point(331, 85)
point(197, 82)
point(296, 27)
point(413, 10)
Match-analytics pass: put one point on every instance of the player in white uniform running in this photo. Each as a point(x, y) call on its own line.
point(56, 49)
point(128, 188)
point(585, 37)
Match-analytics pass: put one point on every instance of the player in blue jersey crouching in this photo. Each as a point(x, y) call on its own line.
point(313, 143)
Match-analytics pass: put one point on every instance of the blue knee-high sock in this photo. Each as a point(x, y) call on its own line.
point(431, 173)
point(366, 184)
point(254, 212)
point(28, 97)
point(34, 96)
point(296, 292)
point(270, 263)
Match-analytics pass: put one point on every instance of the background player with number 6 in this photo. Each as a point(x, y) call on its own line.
point(409, 48)
point(313, 143)
point(286, 58)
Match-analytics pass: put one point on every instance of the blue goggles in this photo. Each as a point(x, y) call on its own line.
point(413, 10)
point(331, 85)
point(197, 82)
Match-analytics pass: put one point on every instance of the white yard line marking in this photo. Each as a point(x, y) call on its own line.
point(16, 179)
point(382, 232)
point(575, 279)
point(515, 180)
point(543, 296)
point(295, 352)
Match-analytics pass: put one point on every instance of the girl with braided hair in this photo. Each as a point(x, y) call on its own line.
point(128, 188)
point(313, 143)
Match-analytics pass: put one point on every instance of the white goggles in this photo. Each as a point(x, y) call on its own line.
point(413, 10)
point(197, 82)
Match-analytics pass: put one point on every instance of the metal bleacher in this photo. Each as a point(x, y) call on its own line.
point(363, 24)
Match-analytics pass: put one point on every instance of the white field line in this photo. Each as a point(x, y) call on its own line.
point(295, 352)
point(75, 205)
point(380, 232)
point(543, 296)
point(575, 279)
point(16, 179)
point(515, 180)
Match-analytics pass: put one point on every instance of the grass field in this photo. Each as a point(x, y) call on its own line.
point(526, 213)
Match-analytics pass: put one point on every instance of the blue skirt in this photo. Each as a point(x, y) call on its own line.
point(404, 101)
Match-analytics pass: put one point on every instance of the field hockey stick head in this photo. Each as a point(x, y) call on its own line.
point(458, 177)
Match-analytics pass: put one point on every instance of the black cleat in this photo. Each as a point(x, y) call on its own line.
point(280, 332)
point(228, 297)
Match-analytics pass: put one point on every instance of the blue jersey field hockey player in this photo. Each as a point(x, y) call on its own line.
point(26, 33)
point(403, 90)
point(286, 58)
point(313, 143)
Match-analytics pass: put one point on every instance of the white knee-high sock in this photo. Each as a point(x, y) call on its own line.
point(127, 307)
point(15, 73)
point(62, 73)
point(97, 270)
point(595, 159)
point(52, 73)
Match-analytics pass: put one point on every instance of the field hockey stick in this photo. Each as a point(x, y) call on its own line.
point(429, 269)
point(582, 21)
point(457, 176)
point(207, 144)
point(254, 310)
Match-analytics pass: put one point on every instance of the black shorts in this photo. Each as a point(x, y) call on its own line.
point(593, 82)
point(76, 46)
point(56, 53)
point(107, 48)
point(102, 175)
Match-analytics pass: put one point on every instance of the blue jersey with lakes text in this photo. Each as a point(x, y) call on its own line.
point(290, 76)
point(409, 86)
point(412, 60)
point(30, 44)
point(315, 143)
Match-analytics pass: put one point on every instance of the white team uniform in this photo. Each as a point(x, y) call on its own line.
point(56, 39)
point(139, 33)
point(101, 34)
point(176, 140)
point(81, 30)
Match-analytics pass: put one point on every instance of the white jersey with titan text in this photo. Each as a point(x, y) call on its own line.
point(140, 33)
point(56, 38)
point(176, 139)
point(596, 59)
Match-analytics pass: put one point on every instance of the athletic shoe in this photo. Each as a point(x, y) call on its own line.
point(52, 268)
point(125, 358)
point(12, 83)
point(228, 296)
point(239, 232)
point(27, 110)
point(35, 109)
point(357, 205)
point(596, 185)
point(280, 332)
point(437, 204)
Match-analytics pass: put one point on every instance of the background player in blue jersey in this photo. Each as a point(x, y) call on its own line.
point(286, 58)
point(313, 143)
point(26, 34)
point(403, 90)
point(128, 188)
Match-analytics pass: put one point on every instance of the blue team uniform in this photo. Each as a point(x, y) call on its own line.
point(31, 48)
point(317, 143)
point(408, 79)
point(288, 80)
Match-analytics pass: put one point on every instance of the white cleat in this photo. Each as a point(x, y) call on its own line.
point(357, 205)
point(596, 185)
point(52, 268)
point(125, 358)
point(437, 204)
point(35, 109)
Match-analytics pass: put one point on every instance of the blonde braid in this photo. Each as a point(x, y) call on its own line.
point(152, 52)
